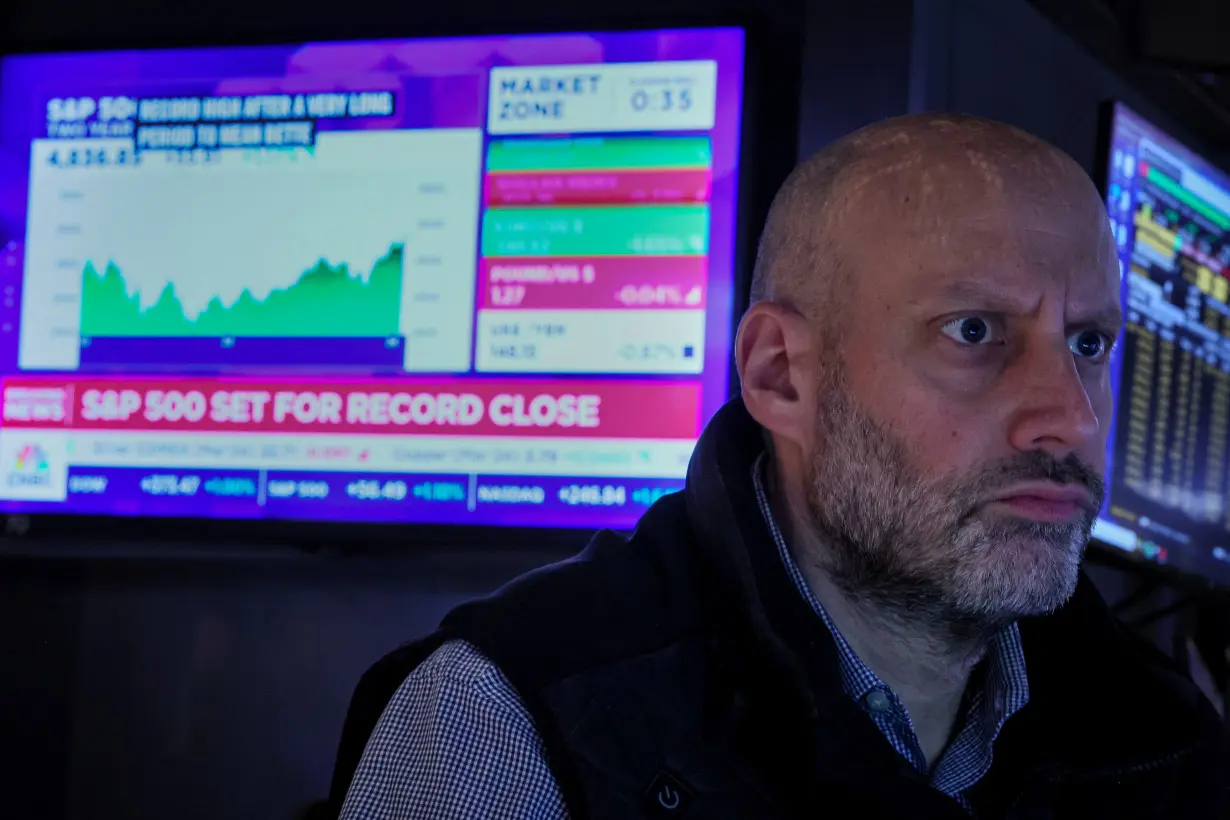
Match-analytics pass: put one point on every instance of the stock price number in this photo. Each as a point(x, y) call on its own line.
point(231, 487)
point(84, 156)
point(372, 490)
point(439, 491)
point(593, 495)
point(170, 484)
point(647, 496)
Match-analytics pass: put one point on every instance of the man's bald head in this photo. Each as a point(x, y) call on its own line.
point(885, 181)
point(936, 298)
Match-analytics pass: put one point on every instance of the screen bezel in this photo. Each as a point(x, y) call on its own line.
point(1101, 551)
point(768, 144)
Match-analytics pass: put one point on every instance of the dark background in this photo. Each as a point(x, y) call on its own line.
point(214, 687)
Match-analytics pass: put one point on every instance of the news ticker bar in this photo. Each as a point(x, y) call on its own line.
point(375, 497)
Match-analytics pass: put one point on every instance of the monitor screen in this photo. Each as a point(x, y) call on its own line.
point(1169, 480)
point(481, 280)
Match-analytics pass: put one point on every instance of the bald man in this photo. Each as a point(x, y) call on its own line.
point(867, 603)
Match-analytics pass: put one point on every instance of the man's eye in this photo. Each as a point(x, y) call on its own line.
point(1090, 344)
point(969, 330)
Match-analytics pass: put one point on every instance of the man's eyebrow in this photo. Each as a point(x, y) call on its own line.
point(1104, 318)
point(972, 293)
point(977, 294)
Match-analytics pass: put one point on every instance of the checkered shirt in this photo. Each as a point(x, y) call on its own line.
point(456, 742)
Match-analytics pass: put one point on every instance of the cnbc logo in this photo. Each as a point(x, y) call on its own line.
point(30, 468)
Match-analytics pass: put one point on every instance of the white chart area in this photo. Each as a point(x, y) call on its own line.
point(257, 219)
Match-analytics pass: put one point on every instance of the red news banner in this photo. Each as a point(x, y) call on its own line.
point(624, 409)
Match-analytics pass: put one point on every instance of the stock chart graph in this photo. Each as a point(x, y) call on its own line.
point(326, 300)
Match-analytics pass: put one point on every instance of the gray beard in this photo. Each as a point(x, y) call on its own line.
point(920, 547)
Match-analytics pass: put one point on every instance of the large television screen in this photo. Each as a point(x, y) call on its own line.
point(480, 280)
point(1169, 483)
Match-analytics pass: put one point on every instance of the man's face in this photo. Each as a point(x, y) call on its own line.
point(960, 434)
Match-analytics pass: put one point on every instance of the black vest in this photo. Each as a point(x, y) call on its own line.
point(679, 673)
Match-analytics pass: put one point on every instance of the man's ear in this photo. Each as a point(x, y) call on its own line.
point(776, 358)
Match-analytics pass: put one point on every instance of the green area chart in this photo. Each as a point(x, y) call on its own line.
point(325, 301)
